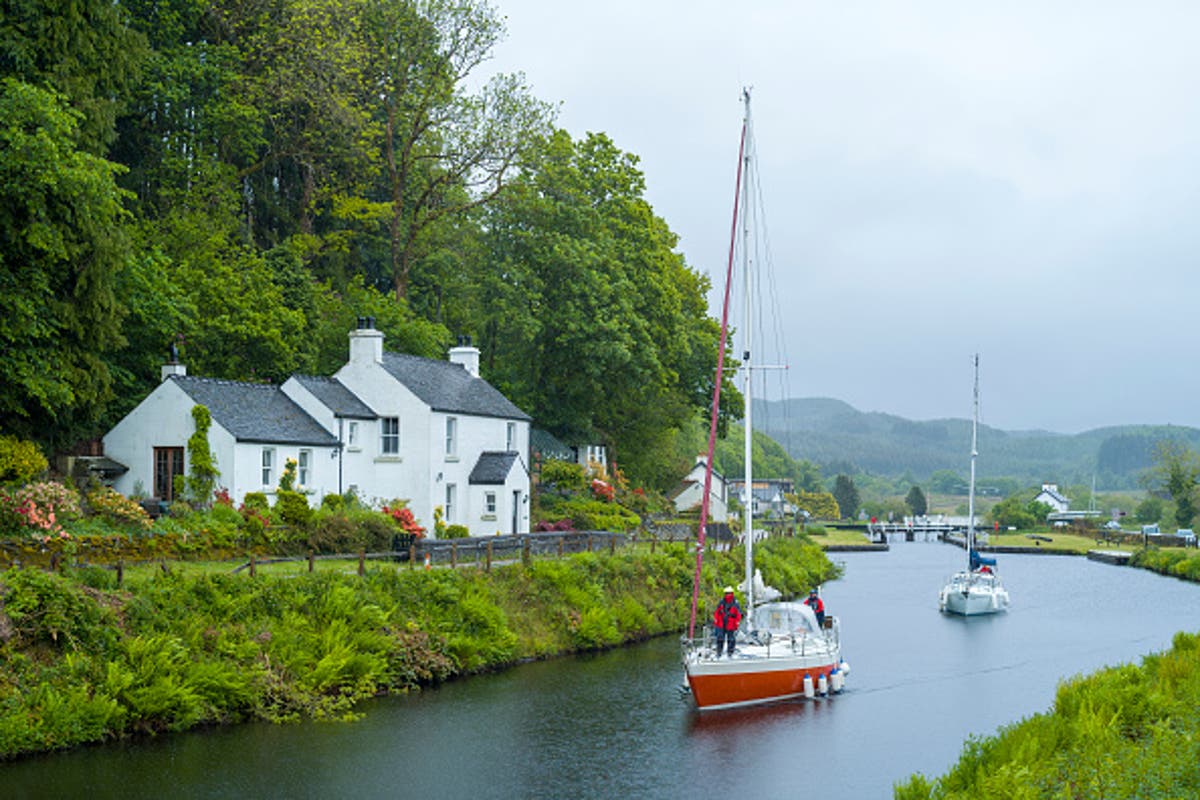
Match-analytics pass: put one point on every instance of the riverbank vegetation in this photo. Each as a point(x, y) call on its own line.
point(1126, 732)
point(83, 660)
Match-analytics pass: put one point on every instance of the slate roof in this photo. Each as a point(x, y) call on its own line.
point(336, 397)
point(1055, 495)
point(445, 386)
point(548, 446)
point(255, 412)
point(492, 467)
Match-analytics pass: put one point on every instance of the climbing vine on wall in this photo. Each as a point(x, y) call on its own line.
point(202, 467)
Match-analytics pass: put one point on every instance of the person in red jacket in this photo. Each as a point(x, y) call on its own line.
point(726, 619)
point(815, 602)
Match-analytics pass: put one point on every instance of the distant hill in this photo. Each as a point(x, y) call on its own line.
point(840, 438)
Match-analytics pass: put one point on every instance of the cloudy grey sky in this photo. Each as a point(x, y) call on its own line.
point(1020, 179)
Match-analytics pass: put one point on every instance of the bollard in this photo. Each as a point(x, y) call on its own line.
point(488, 564)
point(428, 562)
point(311, 558)
point(362, 562)
point(253, 565)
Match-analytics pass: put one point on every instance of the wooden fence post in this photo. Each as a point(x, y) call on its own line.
point(560, 545)
point(311, 558)
point(653, 541)
point(526, 555)
point(612, 544)
point(453, 555)
point(253, 565)
point(362, 562)
point(488, 567)
point(120, 572)
point(54, 557)
point(589, 543)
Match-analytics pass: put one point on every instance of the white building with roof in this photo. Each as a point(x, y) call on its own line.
point(386, 426)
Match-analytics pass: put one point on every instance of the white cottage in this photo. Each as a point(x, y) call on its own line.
point(690, 492)
point(386, 426)
point(1053, 498)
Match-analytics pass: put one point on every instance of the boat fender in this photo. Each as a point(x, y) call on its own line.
point(808, 687)
point(844, 667)
point(823, 685)
point(837, 682)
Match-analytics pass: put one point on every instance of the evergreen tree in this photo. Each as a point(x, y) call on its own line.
point(846, 494)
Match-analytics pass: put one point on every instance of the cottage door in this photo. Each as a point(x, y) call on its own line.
point(168, 462)
point(516, 511)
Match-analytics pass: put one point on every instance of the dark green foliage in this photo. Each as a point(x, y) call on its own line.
point(349, 531)
point(202, 466)
point(846, 494)
point(916, 502)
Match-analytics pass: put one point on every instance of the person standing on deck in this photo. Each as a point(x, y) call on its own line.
point(815, 602)
point(726, 619)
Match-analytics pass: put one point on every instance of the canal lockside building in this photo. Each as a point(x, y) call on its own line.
point(1051, 497)
point(386, 426)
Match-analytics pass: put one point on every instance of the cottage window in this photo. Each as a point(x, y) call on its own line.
point(303, 466)
point(389, 443)
point(451, 492)
point(510, 440)
point(451, 436)
point(268, 466)
point(489, 502)
point(352, 435)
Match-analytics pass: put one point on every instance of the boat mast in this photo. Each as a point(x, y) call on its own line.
point(748, 512)
point(974, 454)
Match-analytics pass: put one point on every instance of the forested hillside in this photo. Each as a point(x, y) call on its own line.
point(244, 180)
point(839, 438)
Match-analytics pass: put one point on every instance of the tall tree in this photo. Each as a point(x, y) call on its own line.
point(590, 317)
point(446, 149)
point(1176, 471)
point(61, 244)
point(846, 494)
point(915, 500)
point(82, 49)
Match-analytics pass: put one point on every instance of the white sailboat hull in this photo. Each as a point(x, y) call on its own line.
point(973, 593)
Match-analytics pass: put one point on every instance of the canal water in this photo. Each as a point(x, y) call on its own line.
point(615, 725)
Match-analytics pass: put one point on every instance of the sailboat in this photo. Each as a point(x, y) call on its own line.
point(976, 589)
point(781, 651)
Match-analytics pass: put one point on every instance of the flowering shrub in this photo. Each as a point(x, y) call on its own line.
point(602, 490)
point(287, 481)
point(405, 519)
point(221, 497)
point(561, 525)
point(116, 507)
point(19, 460)
point(39, 509)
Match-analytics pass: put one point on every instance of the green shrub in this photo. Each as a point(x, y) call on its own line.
point(456, 532)
point(564, 475)
point(257, 501)
point(20, 461)
point(292, 508)
point(333, 502)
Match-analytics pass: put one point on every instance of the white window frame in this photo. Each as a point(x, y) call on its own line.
point(451, 502)
point(303, 467)
point(510, 437)
point(451, 437)
point(268, 466)
point(352, 434)
point(389, 438)
point(489, 502)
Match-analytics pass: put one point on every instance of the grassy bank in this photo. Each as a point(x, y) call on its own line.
point(82, 660)
point(1122, 733)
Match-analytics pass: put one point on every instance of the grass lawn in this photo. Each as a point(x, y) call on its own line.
point(839, 536)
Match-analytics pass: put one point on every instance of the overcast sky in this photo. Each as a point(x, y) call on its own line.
point(1019, 179)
